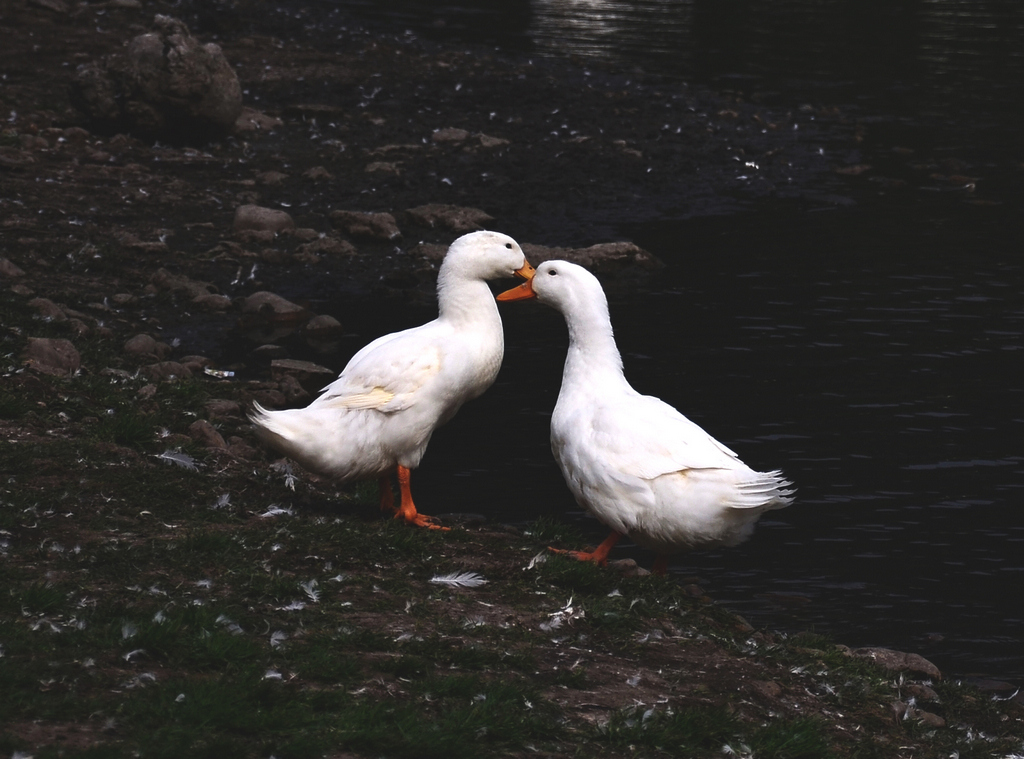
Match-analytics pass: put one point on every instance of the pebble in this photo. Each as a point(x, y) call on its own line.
point(52, 355)
point(455, 218)
point(206, 434)
point(375, 226)
point(899, 661)
point(9, 269)
point(262, 219)
point(163, 371)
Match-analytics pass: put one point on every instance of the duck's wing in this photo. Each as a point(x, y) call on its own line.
point(644, 437)
point(387, 374)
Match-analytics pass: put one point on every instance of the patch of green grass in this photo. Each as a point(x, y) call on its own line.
point(13, 406)
point(551, 530)
point(681, 732)
point(801, 738)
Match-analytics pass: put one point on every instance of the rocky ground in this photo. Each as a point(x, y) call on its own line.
point(149, 285)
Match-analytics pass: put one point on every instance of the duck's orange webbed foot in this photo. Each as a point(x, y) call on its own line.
point(407, 509)
point(599, 555)
point(582, 555)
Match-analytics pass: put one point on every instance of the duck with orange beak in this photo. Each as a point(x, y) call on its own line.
point(376, 419)
point(631, 460)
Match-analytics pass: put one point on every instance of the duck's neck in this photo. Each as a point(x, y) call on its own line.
point(461, 300)
point(592, 350)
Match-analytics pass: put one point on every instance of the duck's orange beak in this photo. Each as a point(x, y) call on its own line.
point(525, 290)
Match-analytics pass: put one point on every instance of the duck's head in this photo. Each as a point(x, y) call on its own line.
point(558, 284)
point(486, 255)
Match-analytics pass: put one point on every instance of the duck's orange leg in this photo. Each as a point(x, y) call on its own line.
point(599, 555)
point(407, 509)
point(387, 496)
point(660, 567)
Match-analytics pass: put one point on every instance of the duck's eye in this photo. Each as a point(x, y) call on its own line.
point(552, 272)
point(508, 245)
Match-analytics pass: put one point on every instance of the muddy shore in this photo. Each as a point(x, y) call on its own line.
point(113, 247)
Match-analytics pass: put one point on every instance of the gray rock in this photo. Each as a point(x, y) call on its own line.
point(899, 661)
point(206, 434)
point(455, 218)
point(166, 85)
point(163, 371)
point(312, 377)
point(52, 355)
point(145, 345)
point(271, 307)
point(10, 270)
point(328, 246)
point(603, 257)
point(165, 280)
point(375, 226)
point(47, 309)
point(450, 134)
point(262, 219)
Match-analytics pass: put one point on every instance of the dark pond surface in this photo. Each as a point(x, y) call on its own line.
point(872, 350)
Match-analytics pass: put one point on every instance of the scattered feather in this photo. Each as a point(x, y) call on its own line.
point(558, 618)
point(180, 698)
point(128, 630)
point(309, 588)
point(459, 580)
point(293, 606)
point(278, 638)
point(180, 459)
point(276, 510)
point(538, 559)
point(132, 654)
point(273, 674)
point(223, 501)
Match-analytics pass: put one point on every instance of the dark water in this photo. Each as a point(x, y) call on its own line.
point(874, 351)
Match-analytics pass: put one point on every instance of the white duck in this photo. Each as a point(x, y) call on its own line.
point(631, 460)
point(377, 417)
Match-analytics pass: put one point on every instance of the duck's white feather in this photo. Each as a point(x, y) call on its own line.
point(633, 461)
point(393, 394)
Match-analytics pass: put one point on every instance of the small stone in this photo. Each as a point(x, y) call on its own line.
point(383, 167)
point(146, 392)
point(260, 218)
point(899, 661)
point(450, 134)
point(251, 120)
point(52, 355)
point(206, 434)
point(322, 326)
point(317, 173)
point(9, 269)
point(272, 177)
point(376, 226)
point(272, 307)
point(76, 135)
point(213, 302)
point(47, 309)
point(487, 141)
point(328, 246)
point(145, 345)
point(304, 234)
point(312, 377)
point(264, 354)
point(164, 371)
point(455, 218)
point(218, 407)
point(166, 280)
